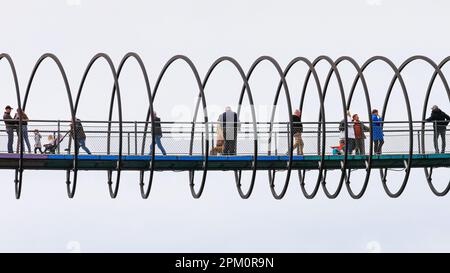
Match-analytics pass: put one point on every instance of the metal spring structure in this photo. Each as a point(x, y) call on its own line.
point(113, 184)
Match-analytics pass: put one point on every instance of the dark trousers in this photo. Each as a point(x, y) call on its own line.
point(10, 132)
point(24, 137)
point(439, 133)
point(378, 144)
point(350, 143)
point(229, 147)
point(360, 148)
point(37, 149)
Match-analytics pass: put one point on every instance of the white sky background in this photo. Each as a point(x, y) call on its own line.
point(171, 220)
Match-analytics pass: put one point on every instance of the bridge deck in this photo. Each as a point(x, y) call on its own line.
point(184, 162)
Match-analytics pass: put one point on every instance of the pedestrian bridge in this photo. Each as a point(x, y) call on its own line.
point(125, 147)
point(119, 145)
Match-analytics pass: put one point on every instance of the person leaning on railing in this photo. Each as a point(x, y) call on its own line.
point(10, 127)
point(440, 121)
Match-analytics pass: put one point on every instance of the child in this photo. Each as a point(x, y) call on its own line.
point(339, 150)
point(50, 145)
point(37, 141)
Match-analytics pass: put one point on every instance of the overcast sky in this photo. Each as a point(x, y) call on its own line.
point(171, 220)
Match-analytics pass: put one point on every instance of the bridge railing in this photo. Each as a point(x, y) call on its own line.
point(188, 138)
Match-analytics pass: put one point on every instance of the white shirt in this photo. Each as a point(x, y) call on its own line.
point(351, 130)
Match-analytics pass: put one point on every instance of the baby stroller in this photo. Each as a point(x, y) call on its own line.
point(50, 148)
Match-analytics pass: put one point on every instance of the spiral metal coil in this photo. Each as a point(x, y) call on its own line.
point(145, 184)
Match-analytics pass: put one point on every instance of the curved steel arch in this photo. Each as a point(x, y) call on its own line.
point(429, 174)
point(245, 89)
point(132, 55)
point(408, 108)
point(322, 95)
point(280, 85)
point(359, 76)
point(205, 112)
point(283, 82)
point(18, 176)
point(70, 189)
point(333, 70)
point(312, 70)
point(115, 93)
point(437, 71)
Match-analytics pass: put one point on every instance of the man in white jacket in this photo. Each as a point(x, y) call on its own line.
point(350, 141)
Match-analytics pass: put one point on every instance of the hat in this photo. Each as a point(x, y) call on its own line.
point(435, 107)
point(8, 107)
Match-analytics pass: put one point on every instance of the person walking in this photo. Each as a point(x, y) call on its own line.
point(440, 121)
point(76, 130)
point(359, 129)
point(157, 134)
point(21, 114)
point(377, 132)
point(349, 142)
point(230, 125)
point(37, 141)
point(297, 130)
point(10, 127)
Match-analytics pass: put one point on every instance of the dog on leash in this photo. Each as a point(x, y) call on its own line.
point(218, 149)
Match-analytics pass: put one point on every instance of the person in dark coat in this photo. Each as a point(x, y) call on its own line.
point(230, 125)
point(440, 121)
point(11, 125)
point(297, 130)
point(78, 131)
point(21, 114)
point(158, 134)
point(377, 130)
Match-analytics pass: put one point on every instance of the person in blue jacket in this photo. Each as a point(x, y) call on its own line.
point(377, 127)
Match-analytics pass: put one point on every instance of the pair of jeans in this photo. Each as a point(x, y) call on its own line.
point(159, 144)
point(24, 137)
point(439, 133)
point(377, 146)
point(10, 132)
point(82, 144)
